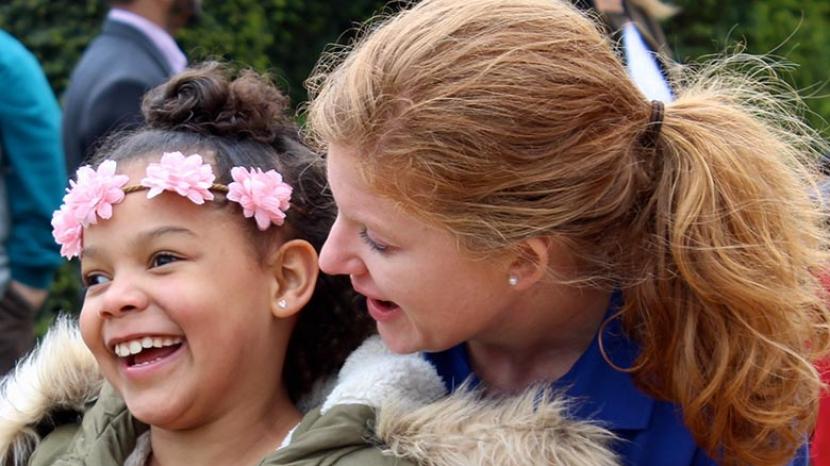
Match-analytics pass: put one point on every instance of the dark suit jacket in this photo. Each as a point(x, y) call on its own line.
point(106, 88)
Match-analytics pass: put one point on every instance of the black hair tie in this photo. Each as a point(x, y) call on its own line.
point(655, 124)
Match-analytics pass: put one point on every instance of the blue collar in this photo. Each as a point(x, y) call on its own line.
point(601, 393)
point(604, 393)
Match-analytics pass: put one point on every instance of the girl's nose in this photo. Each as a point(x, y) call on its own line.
point(340, 253)
point(122, 296)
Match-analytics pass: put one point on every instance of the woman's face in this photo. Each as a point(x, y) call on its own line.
point(423, 291)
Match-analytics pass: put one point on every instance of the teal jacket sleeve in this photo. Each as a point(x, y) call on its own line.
point(33, 163)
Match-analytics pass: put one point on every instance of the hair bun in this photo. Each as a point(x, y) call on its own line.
point(207, 99)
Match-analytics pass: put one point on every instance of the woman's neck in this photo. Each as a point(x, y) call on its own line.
point(541, 339)
point(242, 437)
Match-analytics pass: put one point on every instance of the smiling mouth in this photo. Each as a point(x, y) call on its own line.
point(146, 350)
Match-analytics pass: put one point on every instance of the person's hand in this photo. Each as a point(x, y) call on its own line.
point(609, 6)
point(33, 296)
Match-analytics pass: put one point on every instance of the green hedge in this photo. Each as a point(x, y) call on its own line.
point(794, 31)
point(281, 36)
point(286, 37)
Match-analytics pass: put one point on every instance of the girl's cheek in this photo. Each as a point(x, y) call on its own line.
point(90, 327)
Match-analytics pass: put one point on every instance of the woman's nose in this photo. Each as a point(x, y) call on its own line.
point(340, 254)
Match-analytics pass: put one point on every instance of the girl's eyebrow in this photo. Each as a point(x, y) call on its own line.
point(144, 237)
point(164, 230)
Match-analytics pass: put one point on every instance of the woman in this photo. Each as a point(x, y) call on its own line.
point(512, 205)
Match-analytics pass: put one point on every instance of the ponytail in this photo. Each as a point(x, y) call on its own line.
point(730, 313)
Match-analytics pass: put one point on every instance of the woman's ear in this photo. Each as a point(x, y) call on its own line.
point(530, 263)
point(295, 276)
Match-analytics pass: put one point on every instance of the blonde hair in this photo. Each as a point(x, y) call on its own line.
point(502, 120)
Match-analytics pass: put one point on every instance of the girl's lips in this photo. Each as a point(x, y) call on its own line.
point(139, 366)
point(382, 310)
point(150, 355)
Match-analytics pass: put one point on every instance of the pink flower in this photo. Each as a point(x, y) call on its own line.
point(91, 196)
point(67, 232)
point(263, 196)
point(188, 176)
point(94, 193)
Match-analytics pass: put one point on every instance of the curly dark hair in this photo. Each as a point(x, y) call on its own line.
point(241, 119)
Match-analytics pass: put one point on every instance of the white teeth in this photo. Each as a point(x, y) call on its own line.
point(127, 348)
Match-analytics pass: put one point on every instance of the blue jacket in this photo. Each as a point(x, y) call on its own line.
point(33, 168)
point(652, 432)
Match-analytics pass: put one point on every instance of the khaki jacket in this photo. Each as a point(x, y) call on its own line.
point(383, 409)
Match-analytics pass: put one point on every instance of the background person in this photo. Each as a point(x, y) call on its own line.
point(31, 186)
point(635, 26)
point(134, 53)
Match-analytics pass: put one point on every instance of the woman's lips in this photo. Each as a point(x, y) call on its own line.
point(382, 310)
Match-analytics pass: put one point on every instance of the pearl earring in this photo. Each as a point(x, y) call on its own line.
point(282, 303)
point(513, 280)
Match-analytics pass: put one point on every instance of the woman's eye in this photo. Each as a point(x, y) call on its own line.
point(92, 279)
point(373, 244)
point(163, 258)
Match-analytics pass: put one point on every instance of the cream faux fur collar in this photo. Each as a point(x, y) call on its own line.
point(467, 428)
point(415, 419)
point(60, 374)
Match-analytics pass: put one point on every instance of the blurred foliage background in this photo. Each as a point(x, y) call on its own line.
point(793, 31)
point(285, 37)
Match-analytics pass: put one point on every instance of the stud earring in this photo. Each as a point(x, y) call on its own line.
point(282, 303)
point(513, 280)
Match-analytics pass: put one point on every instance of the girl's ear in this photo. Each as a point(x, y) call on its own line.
point(530, 263)
point(295, 275)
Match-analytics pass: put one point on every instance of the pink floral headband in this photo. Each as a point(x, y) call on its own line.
point(262, 195)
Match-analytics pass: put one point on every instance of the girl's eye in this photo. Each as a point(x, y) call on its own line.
point(162, 258)
point(92, 279)
point(373, 244)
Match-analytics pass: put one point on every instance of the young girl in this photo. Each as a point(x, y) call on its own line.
point(198, 237)
point(512, 205)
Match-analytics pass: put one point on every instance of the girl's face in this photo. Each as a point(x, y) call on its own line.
point(424, 293)
point(178, 312)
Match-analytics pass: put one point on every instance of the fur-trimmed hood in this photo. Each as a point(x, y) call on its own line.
point(414, 419)
point(59, 375)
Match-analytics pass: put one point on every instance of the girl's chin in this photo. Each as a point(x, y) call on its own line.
point(162, 414)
